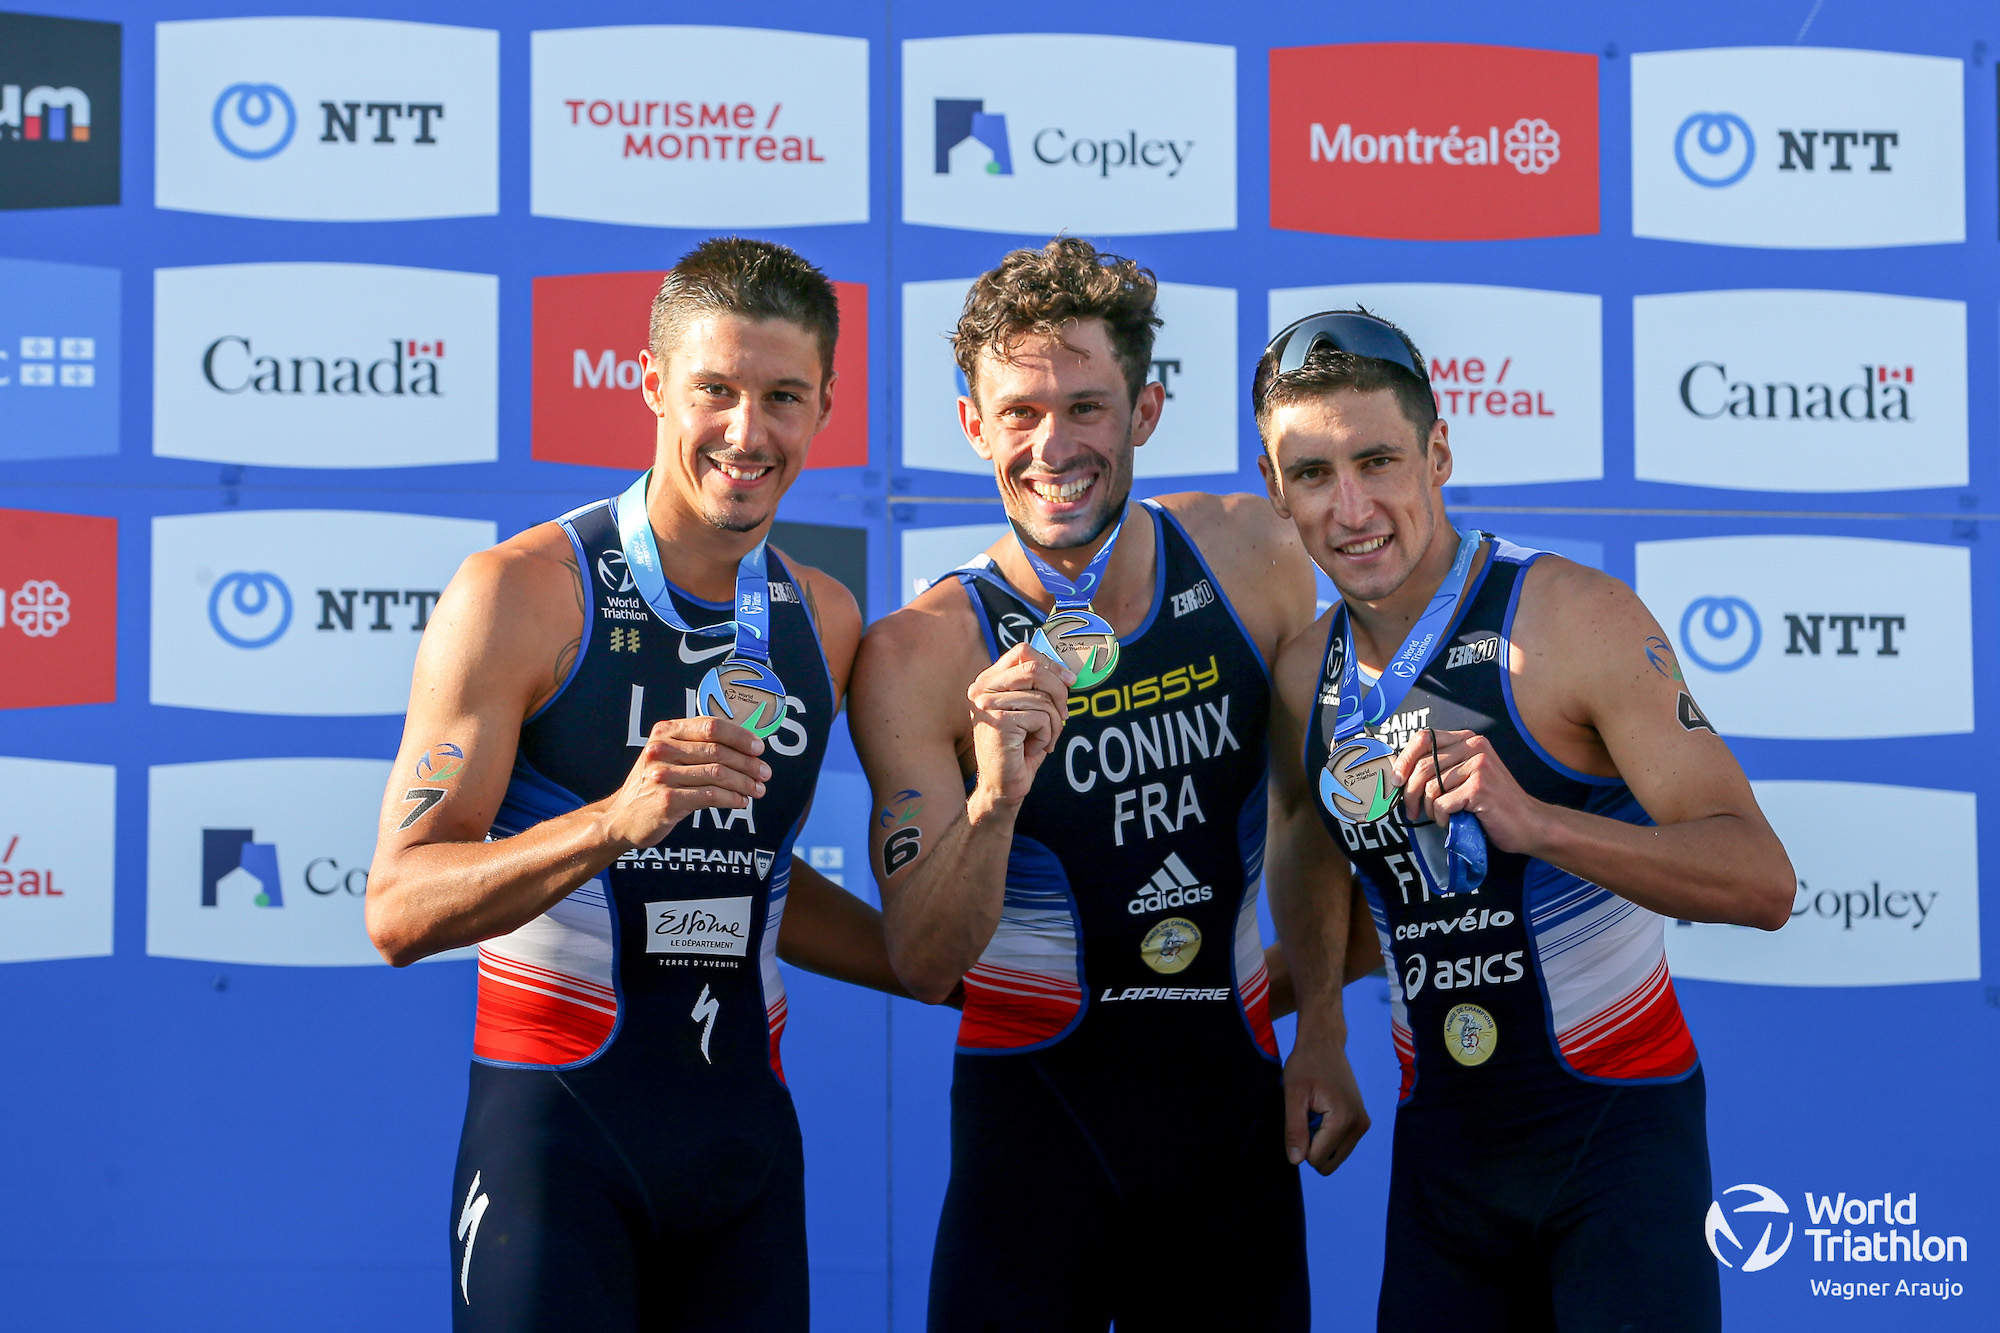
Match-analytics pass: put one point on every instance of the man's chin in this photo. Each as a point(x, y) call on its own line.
point(1068, 532)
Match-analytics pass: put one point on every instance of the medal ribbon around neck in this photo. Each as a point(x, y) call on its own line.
point(1349, 748)
point(743, 689)
point(1073, 635)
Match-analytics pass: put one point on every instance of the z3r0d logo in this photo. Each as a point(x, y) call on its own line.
point(1762, 1200)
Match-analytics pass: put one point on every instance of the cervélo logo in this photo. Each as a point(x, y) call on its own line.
point(1433, 141)
point(1517, 373)
point(755, 128)
point(59, 112)
point(1873, 907)
point(1817, 638)
point(262, 860)
point(1194, 361)
point(325, 365)
point(300, 611)
point(1798, 147)
point(1146, 144)
point(589, 329)
point(56, 839)
point(58, 609)
point(58, 360)
point(1799, 390)
point(327, 119)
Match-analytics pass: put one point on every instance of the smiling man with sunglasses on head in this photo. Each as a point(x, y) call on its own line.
point(1501, 744)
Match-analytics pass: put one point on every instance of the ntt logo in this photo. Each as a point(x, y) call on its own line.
point(1714, 148)
point(1721, 633)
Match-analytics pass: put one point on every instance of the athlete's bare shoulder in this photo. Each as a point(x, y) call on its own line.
point(835, 614)
point(1257, 556)
point(510, 621)
point(1569, 613)
point(914, 664)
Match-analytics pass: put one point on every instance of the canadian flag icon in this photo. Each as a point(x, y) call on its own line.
point(415, 348)
point(1888, 375)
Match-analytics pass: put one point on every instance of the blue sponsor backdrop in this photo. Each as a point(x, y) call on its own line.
point(196, 1145)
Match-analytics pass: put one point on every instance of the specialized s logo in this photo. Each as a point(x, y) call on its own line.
point(469, 1218)
point(706, 1007)
point(906, 839)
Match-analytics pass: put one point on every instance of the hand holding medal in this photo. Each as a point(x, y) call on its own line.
point(1075, 636)
point(743, 689)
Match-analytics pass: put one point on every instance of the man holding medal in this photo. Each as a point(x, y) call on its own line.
point(1072, 824)
point(1503, 746)
point(614, 733)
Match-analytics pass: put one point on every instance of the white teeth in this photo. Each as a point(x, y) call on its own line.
point(1364, 548)
point(1067, 490)
point(739, 473)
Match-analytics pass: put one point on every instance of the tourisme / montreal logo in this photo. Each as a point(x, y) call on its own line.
point(1721, 633)
point(1714, 149)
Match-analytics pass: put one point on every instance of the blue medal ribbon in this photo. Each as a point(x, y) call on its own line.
point(1350, 748)
point(1074, 635)
point(743, 688)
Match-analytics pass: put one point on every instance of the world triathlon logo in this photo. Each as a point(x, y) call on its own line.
point(962, 120)
point(1714, 148)
point(1762, 1201)
point(1721, 633)
point(250, 610)
point(254, 120)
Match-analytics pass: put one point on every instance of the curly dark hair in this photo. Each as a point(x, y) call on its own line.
point(755, 279)
point(1042, 292)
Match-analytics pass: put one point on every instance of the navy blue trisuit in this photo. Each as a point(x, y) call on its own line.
point(1550, 1164)
point(630, 1157)
point(1117, 1120)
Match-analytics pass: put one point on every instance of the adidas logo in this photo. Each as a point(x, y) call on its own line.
point(1172, 885)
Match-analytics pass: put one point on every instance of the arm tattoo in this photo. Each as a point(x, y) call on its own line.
point(441, 764)
point(812, 606)
point(576, 584)
point(1661, 654)
point(564, 661)
point(906, 839)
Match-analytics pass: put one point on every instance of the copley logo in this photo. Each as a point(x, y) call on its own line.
point(1433, 141)
point(56, 842)
point(262, 860)
point(1872, 907)
point(1869, 1230)
point(1797, 147)
point(326, 118)
point(759, 128)
point(1516, 373)
point(1146, 145)
point(59, 88)
point(588, 329)
point(58, 608)
point(1779, 635)
point(963, 122)
point(1194, 362)
point(301, 612)
point(1799, 390)
point(325, 365)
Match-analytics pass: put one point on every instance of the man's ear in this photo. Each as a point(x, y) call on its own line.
point(1273, 486)
point(652, 382)
point(1146, 409)
point(969, 422)
point(1440, 452)
point(826, 401)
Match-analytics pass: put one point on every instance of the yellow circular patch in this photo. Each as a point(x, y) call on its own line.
point(1171, 945)
point(1470, 1034)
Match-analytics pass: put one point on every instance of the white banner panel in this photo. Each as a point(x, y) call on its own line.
point(58, 829)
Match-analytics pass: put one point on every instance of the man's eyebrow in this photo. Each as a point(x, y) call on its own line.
point(703, 373)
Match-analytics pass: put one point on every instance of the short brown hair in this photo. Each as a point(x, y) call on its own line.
point(755, 279)
point(1042, 292)
point(1328, 371)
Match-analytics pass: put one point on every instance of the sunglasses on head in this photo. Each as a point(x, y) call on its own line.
point(1360, 335)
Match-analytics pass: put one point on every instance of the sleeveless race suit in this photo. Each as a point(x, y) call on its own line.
point(630, 1156)
point(1117, 1125)
point(1551, 1154)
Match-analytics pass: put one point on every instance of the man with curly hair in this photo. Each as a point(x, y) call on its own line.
point(1080, 848)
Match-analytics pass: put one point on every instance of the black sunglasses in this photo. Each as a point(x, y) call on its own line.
point(1361, 335)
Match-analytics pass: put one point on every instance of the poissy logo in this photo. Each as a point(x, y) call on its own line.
point(228, 852)
point(963, 121)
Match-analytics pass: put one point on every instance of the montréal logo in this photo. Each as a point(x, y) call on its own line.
point(1530, 145)
point(39, 608)
point(256, 121)
point(696, 131)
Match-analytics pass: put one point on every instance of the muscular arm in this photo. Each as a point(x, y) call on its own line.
point(939, 855)
point(503, 637)
point(828, 930)
point(1600, 686)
